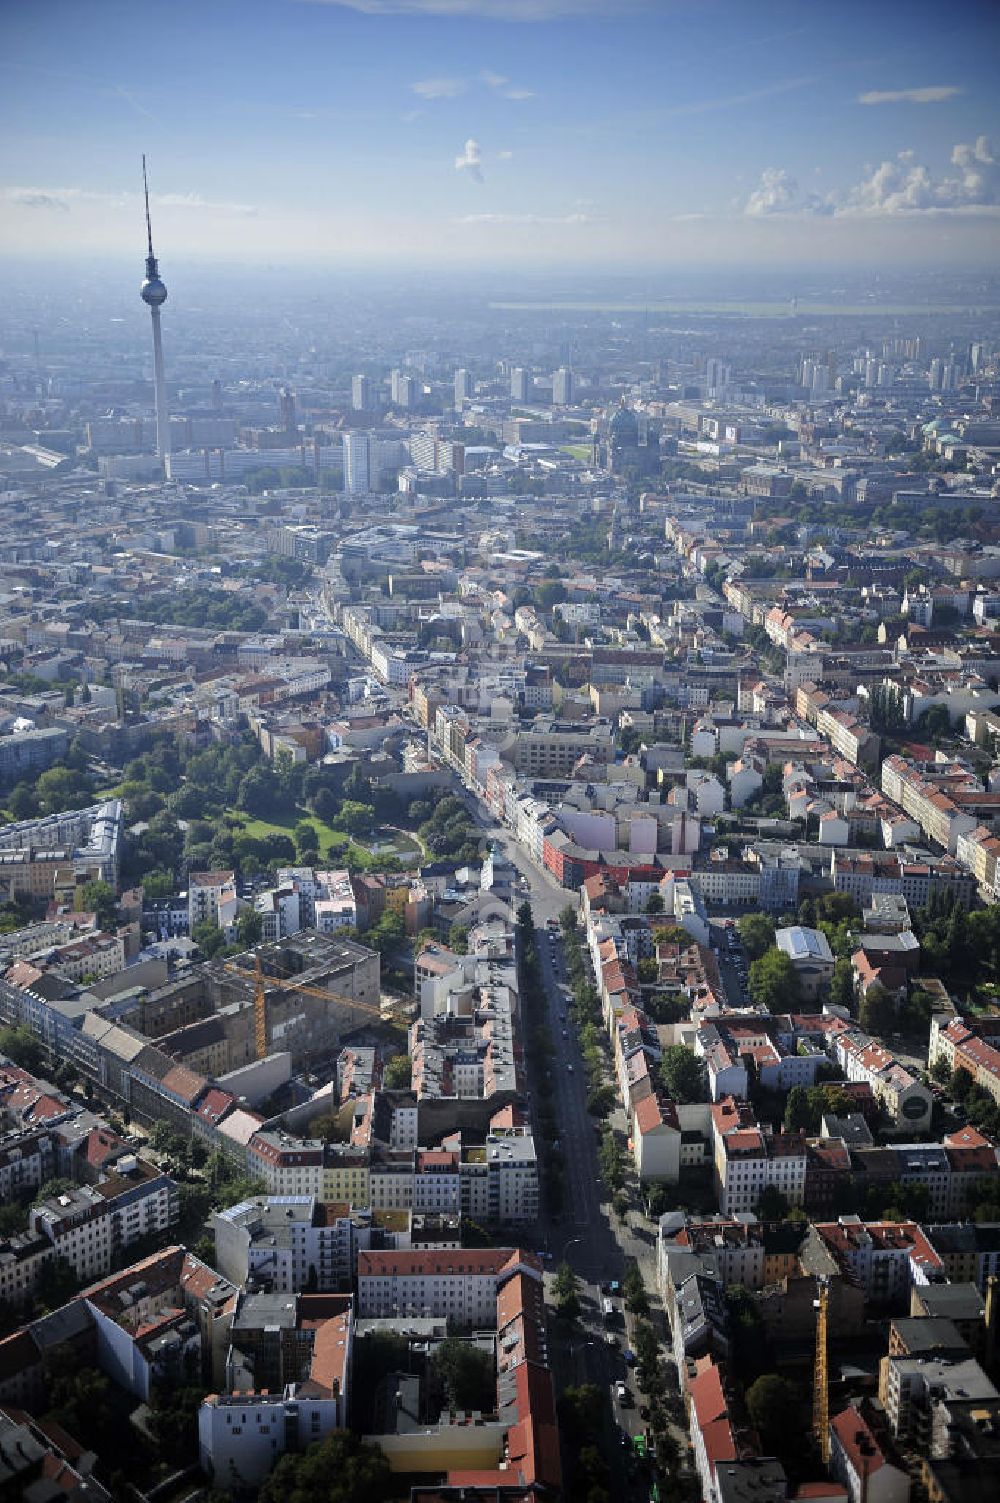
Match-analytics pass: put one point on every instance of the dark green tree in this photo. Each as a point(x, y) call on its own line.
point(249, 928)
point(398, 1073)
point(634, 1291)
point(886, 715)
point(208, 938)
point(339, 1469)
point(774, 983)
point(683, 1075)
point(99, 898)
point(565, 1291)
point(20, 1045)
point(878, 1011)
point(773, 1405)
point(798, 1111)
point(756, 931)
point(466, 1373)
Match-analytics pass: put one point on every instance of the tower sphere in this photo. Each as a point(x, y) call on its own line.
point(153, 292)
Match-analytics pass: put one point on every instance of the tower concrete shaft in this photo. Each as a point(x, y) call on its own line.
point(160, 385)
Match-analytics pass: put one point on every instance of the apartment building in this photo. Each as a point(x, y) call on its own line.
point(972, 1044)
point(884, 1258)
point(285, 1164)
point(914, 876)
point(242, 1435)
point(860, 1463)
point(27, 1160)
point(458, 1284)
point(552, 748)
point(212, 899)
point(289, 1242)
point(91, 1224)
point(913, 1387)
point(39, 857)
point(897, 1088)
point(848, 736)
point(945, 798)
point(747, 1160)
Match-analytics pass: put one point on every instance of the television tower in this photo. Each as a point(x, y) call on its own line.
point(154, 294)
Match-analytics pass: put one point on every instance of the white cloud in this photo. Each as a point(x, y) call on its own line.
point(493, 80)
point(932, 94)
point(774, 194)
point(504, 156)
point(471, 160)
point(491, 10)
point(898, 185)
point(439, 88)
point(901, 185)
point(779, 193)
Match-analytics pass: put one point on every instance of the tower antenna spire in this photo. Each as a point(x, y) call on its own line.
point(154, 295)
point(145, 189)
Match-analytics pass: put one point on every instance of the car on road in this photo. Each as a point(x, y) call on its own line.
point(622, 1395)
point(630, 1358)
point(566, 1036)
point(569, 1069)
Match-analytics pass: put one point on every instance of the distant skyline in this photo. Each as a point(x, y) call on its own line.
point(628, 133)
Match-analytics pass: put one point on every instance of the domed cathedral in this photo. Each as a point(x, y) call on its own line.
point(621, 450)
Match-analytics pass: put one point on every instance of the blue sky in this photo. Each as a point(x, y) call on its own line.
point(622, 132)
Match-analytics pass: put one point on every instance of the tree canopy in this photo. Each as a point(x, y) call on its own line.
point(774, 983)
point(338, 1469)
point(756, 931)
point(683, 1074)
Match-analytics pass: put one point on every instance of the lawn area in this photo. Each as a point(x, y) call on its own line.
point(384, 842)
point(582, 452)
point(329, 840)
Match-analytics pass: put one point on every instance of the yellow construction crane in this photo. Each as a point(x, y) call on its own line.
point(260, 1000)
point(821, 1378)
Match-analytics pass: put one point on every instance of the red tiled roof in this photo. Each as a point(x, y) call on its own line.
point(329, 1355)
point(412, 1262)
point(853, 1433)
